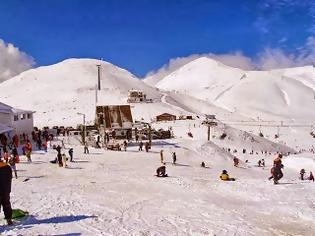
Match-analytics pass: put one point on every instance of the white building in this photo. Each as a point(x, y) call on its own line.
point(21, 121)
point(135, 96)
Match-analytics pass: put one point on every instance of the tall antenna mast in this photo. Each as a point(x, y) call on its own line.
point(99, 77)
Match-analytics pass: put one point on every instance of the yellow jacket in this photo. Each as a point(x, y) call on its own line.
point(224, 177)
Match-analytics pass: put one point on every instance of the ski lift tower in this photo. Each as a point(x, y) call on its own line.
point(210, 122)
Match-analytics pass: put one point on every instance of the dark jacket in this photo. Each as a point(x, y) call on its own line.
point(5, 178)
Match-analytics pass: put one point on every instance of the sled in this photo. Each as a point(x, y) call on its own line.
point(18, 216)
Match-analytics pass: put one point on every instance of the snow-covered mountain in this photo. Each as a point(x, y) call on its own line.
point(59, 91)
point(276, 94)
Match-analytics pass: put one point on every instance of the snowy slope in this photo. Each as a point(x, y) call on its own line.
point(59, 91)
point(116, 193)
point(277, 94)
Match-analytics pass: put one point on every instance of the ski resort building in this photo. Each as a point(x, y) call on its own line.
point(118, 116)
point(135, 96)
point(21, 121)
point(165, 117)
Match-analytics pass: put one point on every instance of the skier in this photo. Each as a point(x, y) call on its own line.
point(225, 176)
point(302, 172)
point(71, 154)
point(5, 189)
point(174, 158)
point(161, 171)
point(161, 156)
point(203, 164)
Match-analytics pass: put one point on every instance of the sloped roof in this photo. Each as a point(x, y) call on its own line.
point(4, 108)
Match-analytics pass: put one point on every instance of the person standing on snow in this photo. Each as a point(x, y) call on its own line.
point(140, 145)
point(5, 190)
point(311, 177)
point(302, 173)
point(71, 154)
point(86, 148)
point(161, 156)
point(277, 166)
point(28, 150)
point(174, 158)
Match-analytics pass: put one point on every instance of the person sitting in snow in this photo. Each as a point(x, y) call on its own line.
point(236, 161)
point(203, 164)
point(225, 176)
point(161, 171)
point(263, 162)
point(259, 163)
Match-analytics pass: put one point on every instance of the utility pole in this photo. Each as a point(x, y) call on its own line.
point(99, 77)
point(84, 128)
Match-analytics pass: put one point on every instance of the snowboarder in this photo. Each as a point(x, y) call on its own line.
point(236, 161)
point(71, 154)
point(161, 171)
point(161, 156)
point(311, 177)
point(140, 145)
point(5, 189)
point(225, 176)
point(174, 158)
point(302, 172)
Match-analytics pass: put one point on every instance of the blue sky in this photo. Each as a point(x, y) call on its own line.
point(142, 35)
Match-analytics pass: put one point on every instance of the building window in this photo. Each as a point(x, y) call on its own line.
point(23, 116)
point(16, 117)
point(29, 116)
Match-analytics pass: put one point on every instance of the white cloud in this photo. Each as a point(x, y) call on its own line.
point(12, 61)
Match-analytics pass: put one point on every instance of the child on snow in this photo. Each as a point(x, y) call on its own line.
point(225, 176)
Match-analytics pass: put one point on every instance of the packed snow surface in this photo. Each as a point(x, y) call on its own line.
point(116, 193)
